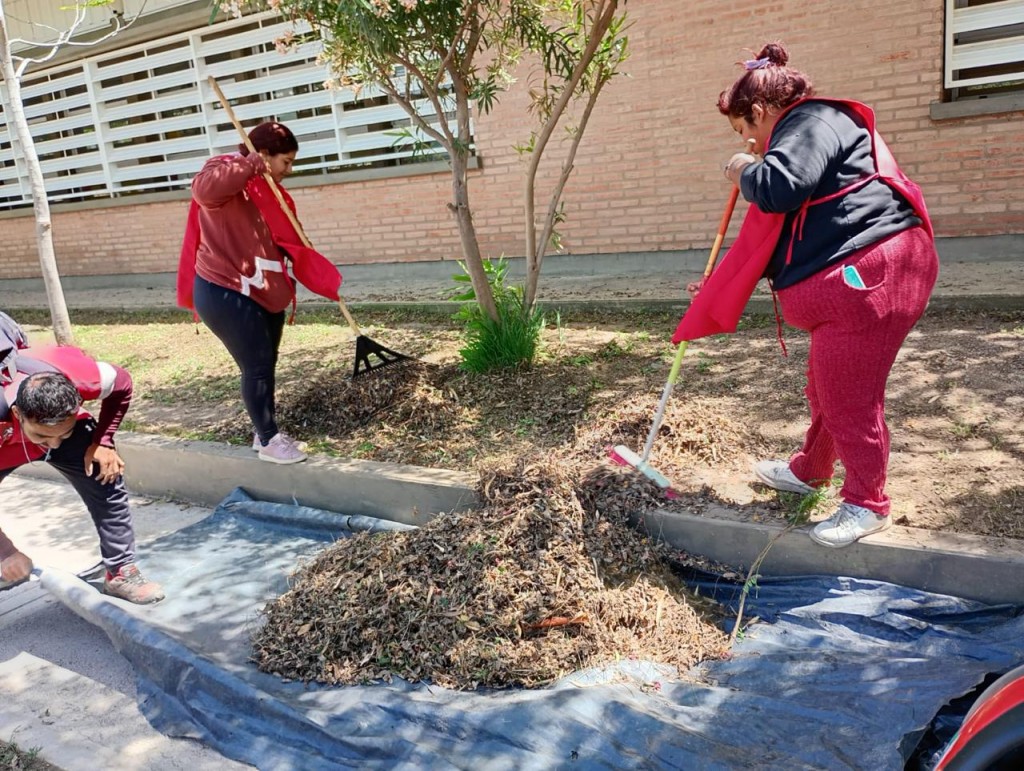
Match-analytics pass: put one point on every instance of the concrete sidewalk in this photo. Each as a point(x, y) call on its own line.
point(656, 279)
point(66, 689)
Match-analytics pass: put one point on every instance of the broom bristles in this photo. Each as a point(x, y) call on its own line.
point(626, 457)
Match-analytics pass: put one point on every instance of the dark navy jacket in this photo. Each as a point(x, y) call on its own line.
point(816, 150)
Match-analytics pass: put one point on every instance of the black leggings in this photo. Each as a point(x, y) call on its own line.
point(252, 336)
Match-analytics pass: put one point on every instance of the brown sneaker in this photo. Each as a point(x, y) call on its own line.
point(129, 584)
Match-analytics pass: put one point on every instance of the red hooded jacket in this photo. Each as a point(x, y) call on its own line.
point(310, 268)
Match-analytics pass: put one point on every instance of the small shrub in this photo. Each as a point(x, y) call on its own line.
point(512, 340)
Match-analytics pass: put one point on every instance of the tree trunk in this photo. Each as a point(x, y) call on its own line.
point(467, 233)
point(44, 229)
point(460, 203)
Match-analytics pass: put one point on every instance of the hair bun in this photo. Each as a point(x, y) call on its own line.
point(775, 53)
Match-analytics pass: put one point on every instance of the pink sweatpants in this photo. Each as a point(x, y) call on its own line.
point(855, 336)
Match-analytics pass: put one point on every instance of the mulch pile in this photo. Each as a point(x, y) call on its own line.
point(327, 405)
point(545, 580)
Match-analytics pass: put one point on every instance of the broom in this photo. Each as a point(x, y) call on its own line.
point(370, 355)
point(621, 454)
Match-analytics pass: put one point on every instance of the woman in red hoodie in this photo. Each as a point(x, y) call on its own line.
point(854, 264)
point(241, 286)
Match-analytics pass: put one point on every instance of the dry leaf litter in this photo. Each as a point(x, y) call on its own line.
point(547, 578)
point(539, 583)
point(438, 416)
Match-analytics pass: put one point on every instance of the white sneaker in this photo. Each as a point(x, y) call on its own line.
point(776, 474)
point(282, 449)
point(257, 445)
point(849, 524)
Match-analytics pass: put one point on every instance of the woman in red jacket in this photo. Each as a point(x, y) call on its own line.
point(854, 264)
point(241, 285)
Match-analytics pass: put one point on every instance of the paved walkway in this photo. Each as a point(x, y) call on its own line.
point(66, 689)
point(998, 283)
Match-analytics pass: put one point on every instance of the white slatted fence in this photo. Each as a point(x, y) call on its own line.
point(144, 118)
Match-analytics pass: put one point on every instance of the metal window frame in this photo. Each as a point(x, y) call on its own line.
point(1000, 50)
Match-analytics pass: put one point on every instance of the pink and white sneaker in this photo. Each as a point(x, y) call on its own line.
point(282, 450)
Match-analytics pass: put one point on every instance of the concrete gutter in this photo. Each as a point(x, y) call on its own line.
point(756, 306)
point(986, 569)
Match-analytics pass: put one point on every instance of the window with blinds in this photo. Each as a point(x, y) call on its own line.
point(144, 118)
point(984, 53)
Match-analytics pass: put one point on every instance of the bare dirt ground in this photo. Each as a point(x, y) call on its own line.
point(956, 397)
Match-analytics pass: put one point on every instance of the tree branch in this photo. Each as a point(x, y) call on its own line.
point(605, 13)
point(567, 168)
point(64, 38)
point(447, 56)
point(596, 36)
point(431, 95)
point(476, 32)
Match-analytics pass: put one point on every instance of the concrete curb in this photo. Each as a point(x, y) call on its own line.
point(986, 569)
point(757, 306)
point(205, 472)
point(990, 570)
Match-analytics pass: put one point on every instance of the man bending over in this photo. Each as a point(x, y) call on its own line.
point(41, 417)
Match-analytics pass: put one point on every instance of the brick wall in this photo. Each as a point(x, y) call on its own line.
point(648, 173)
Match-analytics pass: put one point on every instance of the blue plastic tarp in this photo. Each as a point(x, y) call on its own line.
point(839, 673)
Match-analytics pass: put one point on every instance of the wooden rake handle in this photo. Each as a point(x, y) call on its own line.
point(277, 191)
point(677, 362)
point(723, 226)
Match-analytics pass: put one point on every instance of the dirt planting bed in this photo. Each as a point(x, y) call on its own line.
point(956, 397)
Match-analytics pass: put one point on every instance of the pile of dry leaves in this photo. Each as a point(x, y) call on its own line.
point(546, 579)
point(439, 416)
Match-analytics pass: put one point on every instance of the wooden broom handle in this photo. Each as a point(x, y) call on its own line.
point(723, 226)
point(277, 192)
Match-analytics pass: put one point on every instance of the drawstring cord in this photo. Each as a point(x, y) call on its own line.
point(796, 233)
point(797, 230)
point(292, 285)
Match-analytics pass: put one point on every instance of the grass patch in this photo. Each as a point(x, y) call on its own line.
point(15, 758)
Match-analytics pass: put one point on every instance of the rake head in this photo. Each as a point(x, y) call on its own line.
point(371, 356)
point(623, 456)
